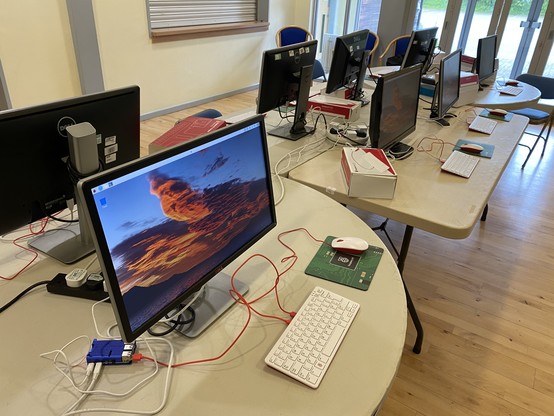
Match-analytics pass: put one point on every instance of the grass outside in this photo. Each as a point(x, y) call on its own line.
point(519, 7)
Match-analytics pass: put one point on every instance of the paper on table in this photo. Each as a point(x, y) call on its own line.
point(369, 162)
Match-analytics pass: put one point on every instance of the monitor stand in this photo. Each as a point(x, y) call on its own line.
point(297, 129)
point(285, 132)
point(64, 244)
point(442, 121)
point(70, 244)
point(400, 150)
point(211, 304)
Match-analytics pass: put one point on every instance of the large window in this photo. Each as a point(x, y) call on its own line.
point(174, 17)
point(333, 18)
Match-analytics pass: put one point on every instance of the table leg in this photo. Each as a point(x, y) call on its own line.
point(485, 212)
point(411, 308)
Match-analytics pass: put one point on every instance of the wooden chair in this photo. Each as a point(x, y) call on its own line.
point(289, 35)
point(537, 117)
point(371, 45)
point(400, 45)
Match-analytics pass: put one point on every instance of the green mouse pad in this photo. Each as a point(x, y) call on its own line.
point(355, 270)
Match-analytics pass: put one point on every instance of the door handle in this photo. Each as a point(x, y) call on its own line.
point(529, 25)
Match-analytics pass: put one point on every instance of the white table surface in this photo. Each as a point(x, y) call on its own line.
point(490, 97)
point(240, 383)
point(425, 197)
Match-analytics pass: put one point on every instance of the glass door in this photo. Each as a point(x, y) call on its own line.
point(523, 24)
point(333, 18)
point(431, 13)
point(473, 24)
point(542, 61)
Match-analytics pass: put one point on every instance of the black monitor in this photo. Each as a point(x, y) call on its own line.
point(286, 77)
point(447, 90)
point(167, 224)
point(393, 113)
point(34, 163)
point(349, 64)
point(486, 54)
point(420, 48)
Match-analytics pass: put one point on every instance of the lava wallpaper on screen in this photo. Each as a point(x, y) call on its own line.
point(168, 227)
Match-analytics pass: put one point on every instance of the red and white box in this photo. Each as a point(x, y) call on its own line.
point(368, 173)
point(326, 104)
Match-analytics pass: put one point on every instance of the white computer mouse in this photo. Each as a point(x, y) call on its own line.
point(351, 245)
point(471, 148)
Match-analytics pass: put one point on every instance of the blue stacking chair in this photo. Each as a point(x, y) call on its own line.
point(400, 45)
point(207, 113)
point(537, 117)
point(371, 45)
point(290, 35)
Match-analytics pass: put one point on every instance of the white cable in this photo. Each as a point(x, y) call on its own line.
point(69, 366)
point(138, 412)
point(108, 336)
point(91, 262)
point(184, 308)
point(95, 374)
point(289, 156)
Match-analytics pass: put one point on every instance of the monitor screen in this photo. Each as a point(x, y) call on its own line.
point(166, 224)
point(420, 48)
point(394, 106)
point(33, 161)
point(486, 54)
point(447, 90)
point(286, 77)
point(349, 64)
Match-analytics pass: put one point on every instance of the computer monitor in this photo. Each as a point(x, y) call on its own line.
point(34, 160)
point(486, 54)
point(168, 223)
point(393, 113)
point(286, 77)
point(447, 90)
point(420, 48)
point(349, 64)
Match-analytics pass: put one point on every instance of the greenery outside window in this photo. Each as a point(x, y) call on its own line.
point(195, 18)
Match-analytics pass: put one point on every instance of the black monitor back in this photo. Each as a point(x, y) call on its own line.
point(35, 179)
point(420, 48)
point(348, 63)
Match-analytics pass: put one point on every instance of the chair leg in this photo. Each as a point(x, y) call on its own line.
point(547, 136)
point(539, 136)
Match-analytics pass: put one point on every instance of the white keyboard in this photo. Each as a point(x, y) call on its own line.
point(307, 347)
point(511, 90)
point(483, 125)
point(460, 164)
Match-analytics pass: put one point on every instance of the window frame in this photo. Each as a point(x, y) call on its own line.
point(219, 29)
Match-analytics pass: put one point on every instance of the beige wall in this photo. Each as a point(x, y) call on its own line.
point(37, 51)
point(39, 62)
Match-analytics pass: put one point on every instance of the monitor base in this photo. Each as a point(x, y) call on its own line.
point(211, 304)
point(63, 244)
point(442, 121)
point(400, 151)
point(284, 132)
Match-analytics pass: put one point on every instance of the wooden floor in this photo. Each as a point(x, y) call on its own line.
point(486, 302)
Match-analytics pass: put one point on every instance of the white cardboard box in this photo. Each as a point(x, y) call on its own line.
point(326, 104)
point(368, 173)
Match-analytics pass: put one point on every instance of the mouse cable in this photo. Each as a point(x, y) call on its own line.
point(23, 293)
